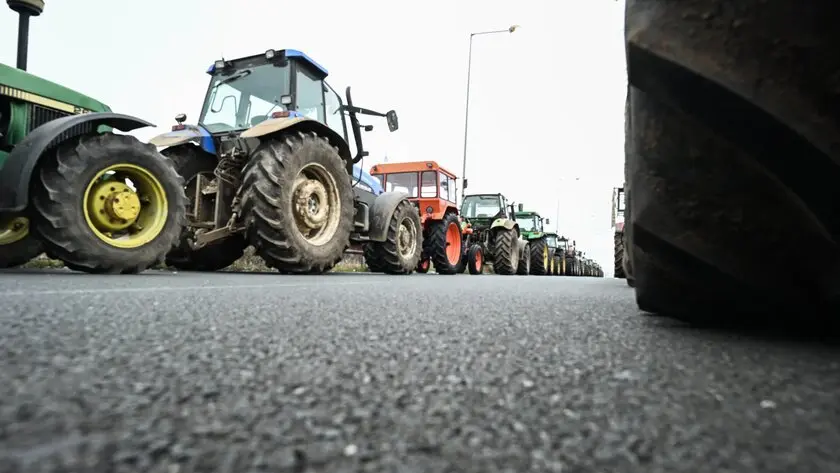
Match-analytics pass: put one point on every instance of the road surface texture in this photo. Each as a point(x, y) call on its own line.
point(426, 373)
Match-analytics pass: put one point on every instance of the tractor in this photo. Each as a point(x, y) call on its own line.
point(621, 259)
point(488, 221)
point(269, 163)
point(71, 188)
point(555, 254)
point(532, 226)
point(571, 261)
point(432, 189)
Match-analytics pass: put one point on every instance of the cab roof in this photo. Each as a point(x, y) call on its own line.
point(410, 166)
point(287, 53)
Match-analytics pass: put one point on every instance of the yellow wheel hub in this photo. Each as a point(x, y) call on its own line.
point(13, 230)
point(123, 216)
point(545, 256)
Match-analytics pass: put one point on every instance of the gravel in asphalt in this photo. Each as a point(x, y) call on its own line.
point(354, 372)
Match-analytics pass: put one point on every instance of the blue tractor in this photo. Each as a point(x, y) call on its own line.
point(270, 164)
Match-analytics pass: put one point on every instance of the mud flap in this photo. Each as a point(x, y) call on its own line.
point(381, 213)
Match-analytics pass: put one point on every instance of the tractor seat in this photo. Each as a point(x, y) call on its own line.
point(257, 119)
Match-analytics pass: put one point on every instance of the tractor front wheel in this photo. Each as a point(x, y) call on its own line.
point(444, 244)
point(506, 252)
point(475, 258)
point(190, 162)
point(108, 203)
point(297, 203)
point(524, 267)
point(401, 250)
point(557, 261)
point(17, 245)
point(372, 258)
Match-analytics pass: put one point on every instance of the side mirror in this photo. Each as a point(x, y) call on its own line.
point(521, 207)
point(547, 221)
point(181, 118)
point(466, 181)
point(393, 121)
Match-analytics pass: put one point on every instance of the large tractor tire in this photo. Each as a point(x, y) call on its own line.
point(108, 203)
point(571, 267)
point(475, 259)
point(190, 161)
point(731, 160)
point(524, 258)
point(618, 243)
point(444, 244)
point(506, 252)
point(17, 245)
point(558, 265)
point(400, 252)
point(539, 257)
point(297, 203)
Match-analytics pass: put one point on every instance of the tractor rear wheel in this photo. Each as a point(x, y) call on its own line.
point(17, 244)
point(444, 244)
point(539, 257)
point(107, 203)
point(401, 250)
point(618, 244)
point(297, 203)
point(190, 161)
point(475, 259)
point(524, 267)
point(506, 252)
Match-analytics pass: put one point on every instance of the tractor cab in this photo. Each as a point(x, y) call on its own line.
point(530, 222)
point(484, 207)
point(431, 187)
point(551, 240)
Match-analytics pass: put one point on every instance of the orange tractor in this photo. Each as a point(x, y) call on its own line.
point(433, 190)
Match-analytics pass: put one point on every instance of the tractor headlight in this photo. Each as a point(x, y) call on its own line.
point(270, 54)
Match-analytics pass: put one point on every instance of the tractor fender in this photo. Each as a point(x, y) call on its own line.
point(305, 125)
point(381, 212)
point(16, 172)
point(191, 133)
point(507, 223)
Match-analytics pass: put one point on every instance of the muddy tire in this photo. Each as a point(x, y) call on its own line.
point(539, 257)
point(64, 197)
point(443, 244)
point(506, 252)
point(475, 259)
point(424, 265)
point(297, 203)
point(190, 161)
point(524, 267)
point(401, 250)
point(17, 245)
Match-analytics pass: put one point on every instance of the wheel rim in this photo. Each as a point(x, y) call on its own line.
point(478, 260)
point(14, 230)
point(407, 238)
point(316, 205)
point(545, 257)
point(453, 243)
point(125, 215)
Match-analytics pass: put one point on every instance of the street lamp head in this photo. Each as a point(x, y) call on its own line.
point(513, 28)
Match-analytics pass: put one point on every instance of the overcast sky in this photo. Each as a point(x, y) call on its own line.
point(547, 102)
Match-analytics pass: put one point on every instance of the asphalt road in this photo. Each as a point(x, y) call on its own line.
point(354, 372)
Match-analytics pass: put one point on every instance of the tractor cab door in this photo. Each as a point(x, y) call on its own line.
point(309, 93)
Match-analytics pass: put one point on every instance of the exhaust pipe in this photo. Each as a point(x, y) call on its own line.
point(25, 10)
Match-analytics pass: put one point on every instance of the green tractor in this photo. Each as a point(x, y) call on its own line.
point(532, 227)
point(270, 163)
point(555, 254)
point(488, 222)
point(71, 188)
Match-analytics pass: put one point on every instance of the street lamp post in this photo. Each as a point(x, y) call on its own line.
point(467, 107)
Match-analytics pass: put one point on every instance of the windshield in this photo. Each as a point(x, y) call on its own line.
point(481, 206)
point(245, 98)
point(563, 244)
point(402, 182)
point(527, 224)
point(552, 241)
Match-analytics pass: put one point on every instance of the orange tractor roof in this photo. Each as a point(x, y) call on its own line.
point(411, 166)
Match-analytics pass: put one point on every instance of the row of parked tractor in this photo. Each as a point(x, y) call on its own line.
point(488, 229)
point(273, 161)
